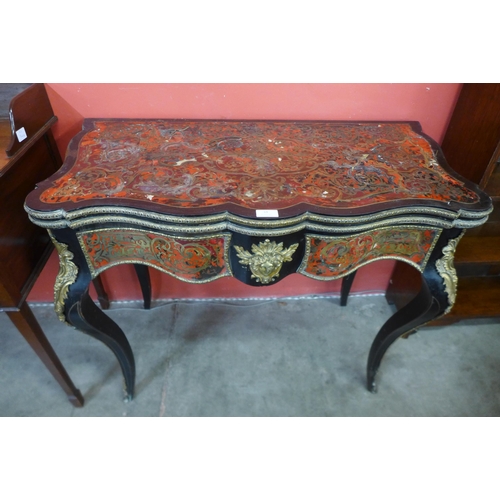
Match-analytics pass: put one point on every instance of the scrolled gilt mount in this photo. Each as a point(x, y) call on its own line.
point(447, 271)
point(267, 259)
point(68, 272)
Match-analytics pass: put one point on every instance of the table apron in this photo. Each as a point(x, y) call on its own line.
point(255, 260)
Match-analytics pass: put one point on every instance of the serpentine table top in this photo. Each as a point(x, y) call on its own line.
point(182, 167)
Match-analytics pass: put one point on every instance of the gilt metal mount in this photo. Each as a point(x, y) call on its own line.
point(266, 259)
point(67, 275)
point(447, 271)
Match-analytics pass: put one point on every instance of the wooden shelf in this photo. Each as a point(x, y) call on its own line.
point(478, 250)
point(477, 297)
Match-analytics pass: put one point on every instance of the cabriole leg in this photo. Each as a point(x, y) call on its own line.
point(74, 305)
point(88, 318)
point(436, 298)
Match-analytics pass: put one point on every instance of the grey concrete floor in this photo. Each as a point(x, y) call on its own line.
point(283, 357)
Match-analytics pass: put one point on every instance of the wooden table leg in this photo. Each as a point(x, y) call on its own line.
point(145, 282)
point(74, 305)
point(30, 329)
point(88, 318)
point(436, 298)
point(102, 296)
point(346, 287)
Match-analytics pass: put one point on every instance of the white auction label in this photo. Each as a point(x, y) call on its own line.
point(266, 213)
point(21, 134)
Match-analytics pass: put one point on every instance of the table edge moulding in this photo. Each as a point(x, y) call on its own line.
point(256, 200)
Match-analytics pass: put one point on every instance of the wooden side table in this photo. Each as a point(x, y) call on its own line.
point(28, 154)
point(202, 200)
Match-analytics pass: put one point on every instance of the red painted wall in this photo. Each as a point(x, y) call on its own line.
point(430, 104)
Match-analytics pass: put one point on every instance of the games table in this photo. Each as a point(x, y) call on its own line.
point(257, 200)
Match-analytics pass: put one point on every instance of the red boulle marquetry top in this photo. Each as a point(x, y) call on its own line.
point(196, 167)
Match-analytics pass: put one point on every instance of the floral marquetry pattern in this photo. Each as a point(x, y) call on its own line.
point(330, 257)
point(196, 260)
point(255, 165)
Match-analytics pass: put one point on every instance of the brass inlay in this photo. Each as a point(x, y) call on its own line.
point(361, 262)
point(447, 271)
point(67, 275)
point(144, 243)
point(224, 221)
point(267, 259)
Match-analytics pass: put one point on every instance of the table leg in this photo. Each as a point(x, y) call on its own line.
point(28, 326)
point(74, 305)
point(84, 315)
point(102, 296)
point(145, 282)
point(346, 287)
point(436, 298)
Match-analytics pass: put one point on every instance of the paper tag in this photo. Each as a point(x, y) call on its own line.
point(21, 134)
point(266, 213)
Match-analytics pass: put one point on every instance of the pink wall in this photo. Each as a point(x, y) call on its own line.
point(430, 104)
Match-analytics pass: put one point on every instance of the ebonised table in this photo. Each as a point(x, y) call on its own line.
point(202, 200)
